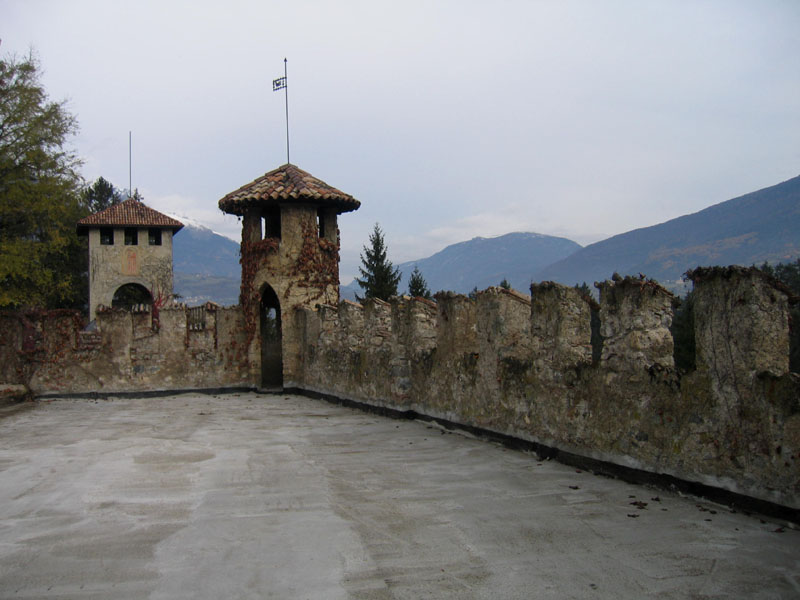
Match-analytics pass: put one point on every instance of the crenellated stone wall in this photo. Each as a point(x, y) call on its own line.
point(202, 347)
point(534, 368)
point(523, 367)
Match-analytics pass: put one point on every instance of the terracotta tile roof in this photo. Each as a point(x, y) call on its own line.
point(287, 185)
point(129, 213)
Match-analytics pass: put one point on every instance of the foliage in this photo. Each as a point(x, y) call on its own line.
point(42, 261)
point(417, 286)
point(380, 277)
point(584, 290)
point(786, 273)
point(684, 351)
point(100, 195)
point(504, 284)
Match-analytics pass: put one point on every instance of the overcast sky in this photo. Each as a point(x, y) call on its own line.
point(447, 120)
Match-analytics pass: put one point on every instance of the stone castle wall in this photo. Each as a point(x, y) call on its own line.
point(523, 367)
point(530, 367)
point(178, 348)
point(113, 266)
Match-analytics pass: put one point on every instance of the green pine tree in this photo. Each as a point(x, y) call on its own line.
point(100, 195)
point(504, 284)
point(417, 286)
point(379, 276)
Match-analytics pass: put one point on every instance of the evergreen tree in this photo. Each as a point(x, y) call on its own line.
point(100, 195)
point(42, 260)
point(417, 286)
point(504, 284)
point(379, 276)
point(584, 290)
point(684, 349)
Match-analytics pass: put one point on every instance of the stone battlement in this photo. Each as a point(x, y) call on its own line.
point(557, 368)
point(524, 367)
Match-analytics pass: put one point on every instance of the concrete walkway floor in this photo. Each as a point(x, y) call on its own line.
point(277, 496)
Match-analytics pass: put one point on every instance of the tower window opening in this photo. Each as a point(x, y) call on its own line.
point(154, 236)
point(131, 236)
point(320, 223)
point(272, 222)
point(107, 236)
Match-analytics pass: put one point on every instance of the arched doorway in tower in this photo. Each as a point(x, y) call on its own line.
point(271, 355)
point(131, 294)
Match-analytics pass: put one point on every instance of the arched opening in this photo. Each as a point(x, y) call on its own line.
point(271, 355)
point(131, 294)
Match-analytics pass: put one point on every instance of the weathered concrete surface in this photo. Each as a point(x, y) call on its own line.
point(248, 496)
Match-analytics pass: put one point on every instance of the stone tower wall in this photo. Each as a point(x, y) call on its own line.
point(302, 269)
point(112, 266)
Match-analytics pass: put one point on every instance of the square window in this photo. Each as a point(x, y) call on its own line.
point(107, 236)
point(154, 236)
point(131, 236)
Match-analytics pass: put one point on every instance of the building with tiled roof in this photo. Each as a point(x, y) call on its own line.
point(130, 255)
point(290, 260)
point(287, 185)
point(130, 213)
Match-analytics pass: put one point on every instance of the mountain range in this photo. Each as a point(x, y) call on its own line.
point(751, 229)
point(205, 265)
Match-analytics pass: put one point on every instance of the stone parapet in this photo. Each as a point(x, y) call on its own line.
point(523, 367)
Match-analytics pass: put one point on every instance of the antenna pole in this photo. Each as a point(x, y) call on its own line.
point(130, 162)
point(286, 96)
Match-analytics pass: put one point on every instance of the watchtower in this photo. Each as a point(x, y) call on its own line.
point(289, 257)
point(130, 254)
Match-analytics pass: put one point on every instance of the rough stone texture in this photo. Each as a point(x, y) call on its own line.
point(742, 341)
point(48, 352)
point(11, 393)
point(111, 267)
point(300, 267)
point(480, 363)
point(745, 330)
point(636, 315)
point(561, 334)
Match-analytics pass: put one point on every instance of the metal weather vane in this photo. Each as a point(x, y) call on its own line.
point(277, 85)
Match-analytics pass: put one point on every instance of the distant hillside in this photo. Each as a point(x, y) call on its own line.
point(757, 227)
point(197, 249)
point(206, 266)
point(483, 262)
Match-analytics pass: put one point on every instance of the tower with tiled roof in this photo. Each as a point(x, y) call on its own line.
point(290, 259)
point(130, 248)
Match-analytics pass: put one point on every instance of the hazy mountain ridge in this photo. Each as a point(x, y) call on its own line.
point(483, 262)
point(750, 229)
point(206, 266)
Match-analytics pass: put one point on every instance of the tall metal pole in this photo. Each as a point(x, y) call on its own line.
point(286, 96)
